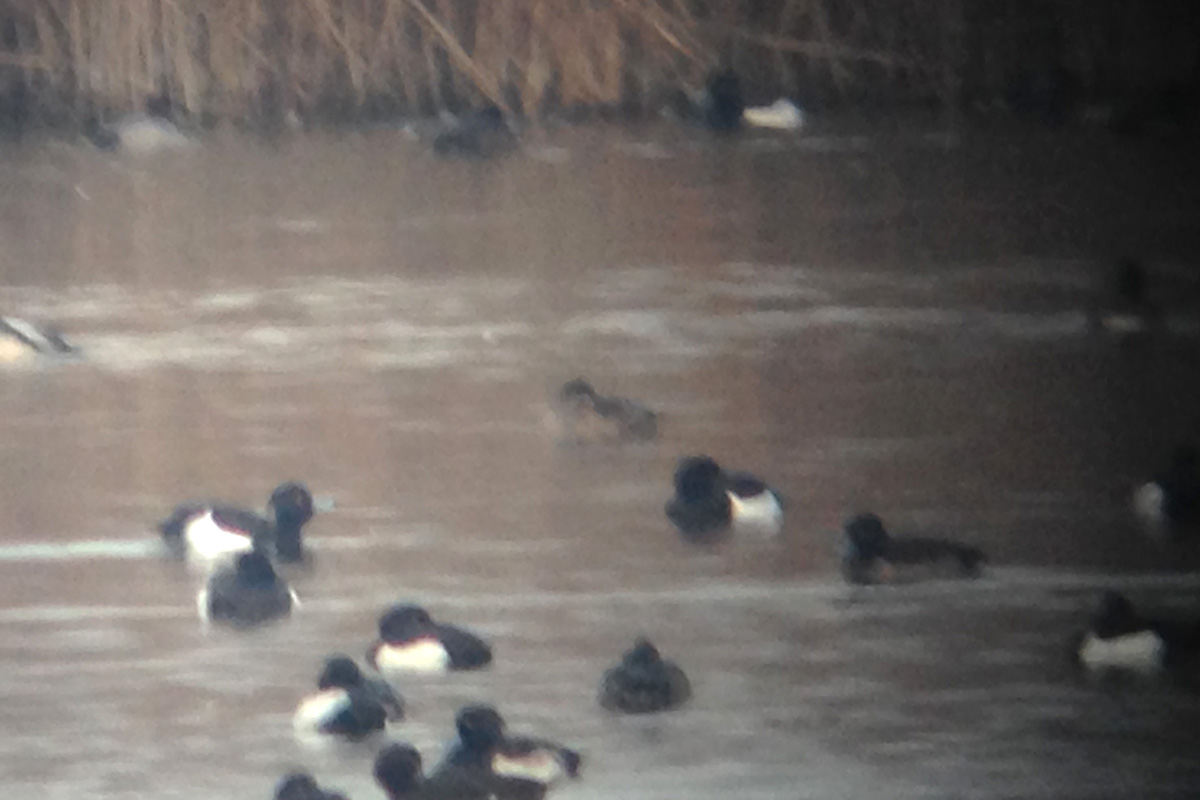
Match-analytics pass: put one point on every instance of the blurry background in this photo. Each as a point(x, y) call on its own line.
point(876, 312)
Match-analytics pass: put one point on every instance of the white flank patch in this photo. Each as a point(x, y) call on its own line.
point(145, 135)
point(761, 513)
point(422, 655)
point(1140, 651)
point(1123, 324)
point(14, 351)
point(781, 115)
point(318, 709)
point(202, 607)
point(1148, 502)
point(540, 765)
point(209, 545)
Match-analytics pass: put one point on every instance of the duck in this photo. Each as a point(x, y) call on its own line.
point(1122, 308)
point(483, 133)
point(139, 134)
point(410, 641)
point(300, 785)
point(644, 682)
point(398, 771)
point(1170, 503)
point(782, 115)
point(510, 766)
point(1118, 637)
point(710, 501)
point(207, 536)
point(872, 555)
point(246, 593)
point(22, 341)
point(347, 704)
point(581, 414)
point(722, 106)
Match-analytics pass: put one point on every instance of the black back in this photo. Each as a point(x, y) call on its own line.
point(466, 650)
point(41, 340)
point(248, 593)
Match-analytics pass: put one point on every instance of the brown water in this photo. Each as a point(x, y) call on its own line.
point(871, 321)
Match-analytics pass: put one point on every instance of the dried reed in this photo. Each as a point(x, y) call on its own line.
point(254, 59)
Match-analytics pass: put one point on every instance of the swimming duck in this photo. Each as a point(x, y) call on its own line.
point(399, 773)
point(644, 682)
point(782, 115)
point(139, 134)
point(301, 786)
point(245, 593)
point(22, 341)
point(584, 415)
point(1122, 307)
point(347, 704)
point(510, 766)
point(477, 134)
point(410, 641)
point(1171, 502)
point(873, 555)
point(207, 535)
point(1118, 637)
point(709, 501)
point(722, 106)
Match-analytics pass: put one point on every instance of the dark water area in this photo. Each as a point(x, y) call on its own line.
point(892, 320)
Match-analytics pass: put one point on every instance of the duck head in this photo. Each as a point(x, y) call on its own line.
point(398, 769)
point(642, 654)
point(1114, 615)
point(480, 727)
point(1130, 280)
point(403, 623)
point(292, 505)
point(340, 672)
point(697, 478)
point(866, 538)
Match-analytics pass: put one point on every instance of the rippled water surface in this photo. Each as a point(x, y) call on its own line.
point(871, 321)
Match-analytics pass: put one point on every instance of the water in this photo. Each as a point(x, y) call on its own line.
point(870, 320)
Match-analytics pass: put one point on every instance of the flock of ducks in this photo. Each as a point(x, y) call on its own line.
point(238, 555)
point(480, 133)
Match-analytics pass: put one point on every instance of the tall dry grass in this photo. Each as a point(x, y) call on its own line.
point(255, 59)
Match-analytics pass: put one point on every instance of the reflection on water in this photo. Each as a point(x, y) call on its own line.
point(871, 323)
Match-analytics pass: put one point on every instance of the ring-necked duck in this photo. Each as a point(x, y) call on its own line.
point(410, 641)
point(245, 593)
point(347, 703)
point(1118, 637)
point(22, 341)
point(644, 682)
point(709, 501)
point(476, 134)
point(511, 766)
point(209, 535)
point(1171, 502)
point(872, 555)
point(583, 415)
point(139, 134)
point(1122, 306)
point(301, 786)
point(398, 772)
